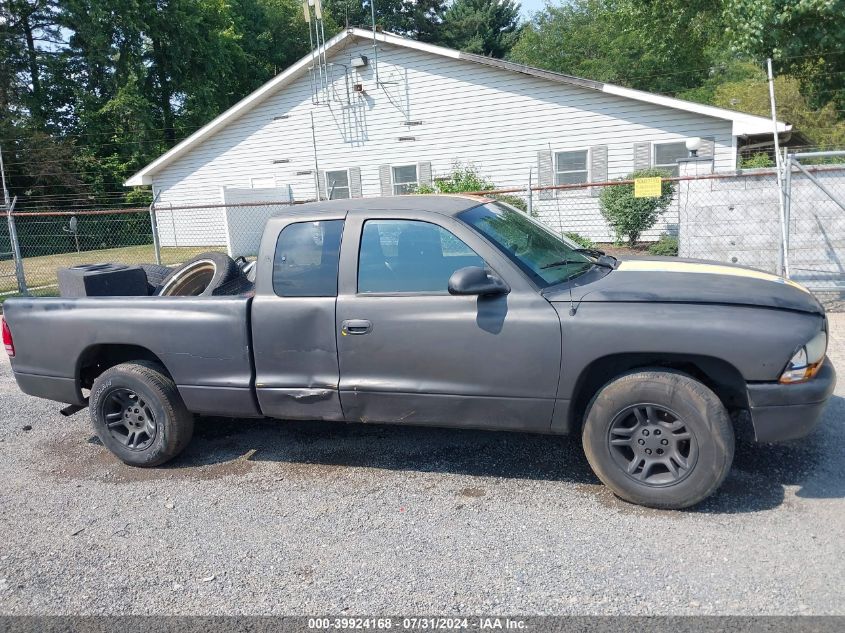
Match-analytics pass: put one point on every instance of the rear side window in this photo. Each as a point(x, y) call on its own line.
point(306, 260)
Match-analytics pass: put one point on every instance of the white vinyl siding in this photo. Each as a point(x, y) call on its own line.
point(337, 184)
point(262, 182)
point(492, 118)
point(405, 179)
point(666, 156)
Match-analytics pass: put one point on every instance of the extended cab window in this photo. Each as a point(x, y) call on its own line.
point(410, 256)
point(306, 259)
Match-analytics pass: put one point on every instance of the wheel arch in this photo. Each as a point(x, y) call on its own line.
point(723, 378)
point(98, 358)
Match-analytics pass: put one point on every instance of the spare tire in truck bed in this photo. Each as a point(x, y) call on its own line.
point(156, 274)
point(201, 276)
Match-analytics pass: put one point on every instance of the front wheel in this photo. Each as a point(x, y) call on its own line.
point(139, 415)
point(659, 438)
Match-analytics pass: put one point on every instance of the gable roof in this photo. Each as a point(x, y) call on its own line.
point(743, 124)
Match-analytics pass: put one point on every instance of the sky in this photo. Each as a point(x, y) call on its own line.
point(530, 6)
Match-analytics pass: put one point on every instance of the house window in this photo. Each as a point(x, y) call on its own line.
point(337, 185)
point(571, 167)
point(666, 156)
point(405, 179)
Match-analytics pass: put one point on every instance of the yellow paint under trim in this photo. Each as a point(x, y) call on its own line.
point(648, 266)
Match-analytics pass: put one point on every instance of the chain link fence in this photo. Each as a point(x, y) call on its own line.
point(726, 217)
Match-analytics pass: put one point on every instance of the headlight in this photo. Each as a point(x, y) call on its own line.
point(807, 361)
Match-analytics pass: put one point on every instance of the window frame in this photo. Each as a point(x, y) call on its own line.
point(405, 293)
point(571, 150)
point(674, 169)
point(393, 182)
point(348, 186)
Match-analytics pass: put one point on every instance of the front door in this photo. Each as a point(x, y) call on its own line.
point(410, 352)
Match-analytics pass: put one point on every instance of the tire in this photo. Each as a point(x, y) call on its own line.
point(676, 430)
point(156, 274)
point(240, 285)
point(201, 276)
point(139, 398)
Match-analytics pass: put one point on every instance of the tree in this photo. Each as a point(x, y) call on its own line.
point(744, 86)
point(662, 46)
point(416, 19)
point(804, 37)
point(485, 27)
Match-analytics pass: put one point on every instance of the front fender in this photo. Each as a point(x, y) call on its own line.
point(757, 342)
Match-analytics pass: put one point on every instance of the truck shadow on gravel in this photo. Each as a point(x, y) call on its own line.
point(317, 449)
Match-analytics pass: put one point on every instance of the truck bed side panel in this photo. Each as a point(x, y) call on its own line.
point(204, 343)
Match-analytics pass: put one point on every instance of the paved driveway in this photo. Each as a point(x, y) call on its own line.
point(299, 518)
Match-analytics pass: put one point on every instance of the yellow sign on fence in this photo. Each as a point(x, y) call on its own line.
point(647, 187)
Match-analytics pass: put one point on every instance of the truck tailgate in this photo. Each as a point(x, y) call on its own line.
point(204, 343)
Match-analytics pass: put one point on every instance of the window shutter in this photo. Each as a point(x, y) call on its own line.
point(598, 167)
point(385, 180)
point(708, 147)
point(642, 156)
point(545, 174)
point(321, 183)
point(424, 173)
point(355, 182)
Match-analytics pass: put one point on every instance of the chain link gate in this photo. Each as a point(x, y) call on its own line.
point(814, 241)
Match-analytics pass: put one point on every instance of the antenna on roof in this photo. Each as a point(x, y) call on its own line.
point(319, 66)
point(375, 45)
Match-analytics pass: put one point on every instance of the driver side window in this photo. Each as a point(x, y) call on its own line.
point(410, 256)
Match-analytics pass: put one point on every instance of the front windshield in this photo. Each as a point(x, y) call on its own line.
point(546, 257)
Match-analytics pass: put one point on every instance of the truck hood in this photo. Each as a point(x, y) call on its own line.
point(673, 280)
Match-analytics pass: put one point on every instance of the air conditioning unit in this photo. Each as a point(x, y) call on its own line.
point(358, 88)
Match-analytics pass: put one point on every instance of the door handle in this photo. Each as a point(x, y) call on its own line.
point(355, 326)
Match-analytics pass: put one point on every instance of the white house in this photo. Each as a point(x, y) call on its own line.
point(373, 115)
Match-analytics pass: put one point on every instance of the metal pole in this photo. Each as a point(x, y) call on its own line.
point(316, 165)
point(154, 228)
point(530, 194)
point(784, 260)
point(16, 248)
point(375, 44)
point(787, 188)
point(13, 232)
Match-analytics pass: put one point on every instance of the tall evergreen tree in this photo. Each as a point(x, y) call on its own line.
point(486, 27)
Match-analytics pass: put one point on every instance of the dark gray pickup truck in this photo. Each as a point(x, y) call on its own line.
point(449, 311)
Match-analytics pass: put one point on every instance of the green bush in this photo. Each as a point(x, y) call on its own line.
point(629, 216)
point(580, 240)
point(462, 179)
point(667, 246)
point(760, 159)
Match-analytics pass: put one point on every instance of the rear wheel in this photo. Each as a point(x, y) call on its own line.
point(139, 415)
point(659, 438)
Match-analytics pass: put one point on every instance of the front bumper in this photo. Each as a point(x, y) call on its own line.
point(786, 412)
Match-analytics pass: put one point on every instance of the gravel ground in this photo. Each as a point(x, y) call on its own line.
point(303, 518)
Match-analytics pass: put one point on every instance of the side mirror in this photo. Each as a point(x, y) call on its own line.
point(475, 280)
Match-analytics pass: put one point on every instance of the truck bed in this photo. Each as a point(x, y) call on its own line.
point(203, 342)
